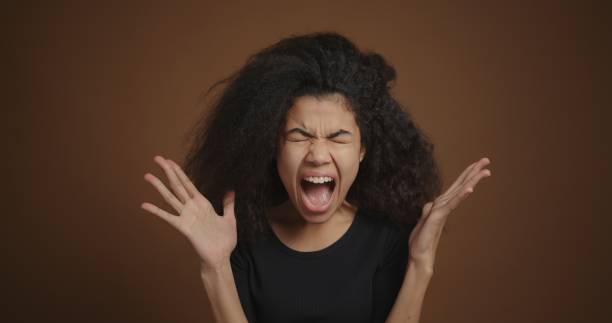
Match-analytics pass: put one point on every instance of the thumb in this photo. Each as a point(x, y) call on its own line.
point(427, 209)
point(228, 203)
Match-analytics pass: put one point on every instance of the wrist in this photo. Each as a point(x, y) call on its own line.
point(214, 269)
point(214, 276)
point(420, 269)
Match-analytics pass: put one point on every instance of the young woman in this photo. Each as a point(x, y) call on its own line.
point(310, 195)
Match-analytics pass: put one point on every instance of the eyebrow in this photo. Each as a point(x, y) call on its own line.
point(309, 135)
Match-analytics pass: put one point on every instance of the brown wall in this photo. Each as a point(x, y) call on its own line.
point(96, 90)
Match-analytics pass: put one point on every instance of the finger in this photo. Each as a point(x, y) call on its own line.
point(468, 173)
point(426, 211)
point(471, 183)
point(174, 181)
point(461, 177)
point(467, 189)
point(166, 194)
point(186, 181)
point(172, 219)
point(228, 204)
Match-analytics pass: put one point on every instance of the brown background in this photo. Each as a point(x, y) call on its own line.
point(96, 90)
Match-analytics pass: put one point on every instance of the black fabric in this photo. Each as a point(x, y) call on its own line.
point(356, 279)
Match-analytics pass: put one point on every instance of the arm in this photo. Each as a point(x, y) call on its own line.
point(223, 295)
point(423, 242)
point(399, 284)
point(409, 301)
point(212, 236)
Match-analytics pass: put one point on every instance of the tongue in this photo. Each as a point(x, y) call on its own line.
point(317, 194)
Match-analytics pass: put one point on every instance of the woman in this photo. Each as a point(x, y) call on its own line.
point(310, 195)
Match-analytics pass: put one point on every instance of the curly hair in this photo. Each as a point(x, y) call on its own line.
point(235, 141)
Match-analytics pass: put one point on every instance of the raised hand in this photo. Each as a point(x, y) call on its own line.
point(424, 238)
point(213, 237)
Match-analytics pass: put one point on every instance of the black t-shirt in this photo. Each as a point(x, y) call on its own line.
point(356, 279)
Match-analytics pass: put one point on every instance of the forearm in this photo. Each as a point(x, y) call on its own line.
point(223, 295)
point(409, 301)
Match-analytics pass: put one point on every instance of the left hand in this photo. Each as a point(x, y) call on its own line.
point(424, 239)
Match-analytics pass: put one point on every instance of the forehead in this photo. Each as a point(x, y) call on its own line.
point(331, 110)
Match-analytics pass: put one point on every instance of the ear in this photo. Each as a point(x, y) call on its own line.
point(362, 153)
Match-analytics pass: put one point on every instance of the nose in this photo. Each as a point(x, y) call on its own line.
point(318, 153)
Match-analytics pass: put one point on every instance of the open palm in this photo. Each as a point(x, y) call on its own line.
point(213, 237)
point(424, 238)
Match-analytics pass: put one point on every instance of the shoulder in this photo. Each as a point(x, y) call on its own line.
point(383, 224)
point(390, 237)
point(239, 257)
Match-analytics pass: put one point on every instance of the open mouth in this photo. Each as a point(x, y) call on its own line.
point(317, 193)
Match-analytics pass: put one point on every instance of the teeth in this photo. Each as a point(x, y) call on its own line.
point(318, 179)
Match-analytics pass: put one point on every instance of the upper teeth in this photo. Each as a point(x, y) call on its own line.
point(318, 179)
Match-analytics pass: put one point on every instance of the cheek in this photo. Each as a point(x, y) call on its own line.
point(348, 166)
point(288, 161)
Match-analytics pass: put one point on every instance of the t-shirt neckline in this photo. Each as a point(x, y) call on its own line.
point(318, 253)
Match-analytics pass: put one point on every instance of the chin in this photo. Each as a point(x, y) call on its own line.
point(316, 217)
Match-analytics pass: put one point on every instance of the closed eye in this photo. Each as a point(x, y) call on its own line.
point(299, 134)
point(342, 141)
point(336, 140)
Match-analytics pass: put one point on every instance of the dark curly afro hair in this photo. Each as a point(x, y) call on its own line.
point(235, 141)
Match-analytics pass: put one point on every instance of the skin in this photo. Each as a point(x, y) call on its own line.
point(425, 237)
point(214, 237)
point(318, 145)
point(423, 243)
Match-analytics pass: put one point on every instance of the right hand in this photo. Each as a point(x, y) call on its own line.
point(214, 237)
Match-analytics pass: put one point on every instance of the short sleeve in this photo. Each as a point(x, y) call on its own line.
point(389, 274)
point(240, 270)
